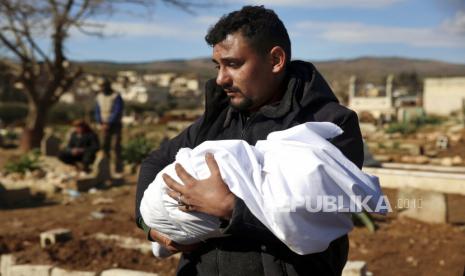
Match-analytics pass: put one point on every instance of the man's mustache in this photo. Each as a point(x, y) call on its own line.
point(231, 89)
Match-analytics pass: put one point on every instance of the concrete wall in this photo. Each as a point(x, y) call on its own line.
point(374, 105)
point(442, 182)
point(441, 96)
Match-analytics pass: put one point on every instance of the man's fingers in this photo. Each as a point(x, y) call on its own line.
point(212, 164)
point(173, 185)
point(175, 195)
point(187, 208)
point(185, 177)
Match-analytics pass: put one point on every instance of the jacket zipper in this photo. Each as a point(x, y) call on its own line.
point(246, 125)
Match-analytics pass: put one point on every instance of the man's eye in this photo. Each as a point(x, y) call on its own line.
point(233, 64)
point(217, 67)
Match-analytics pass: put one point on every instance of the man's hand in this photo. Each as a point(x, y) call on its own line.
point(76, 151)
point(211, 195)
point(105, 127)
point(171, 245)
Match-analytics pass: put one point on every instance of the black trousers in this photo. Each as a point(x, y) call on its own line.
point(86, 158)
point(112, 140)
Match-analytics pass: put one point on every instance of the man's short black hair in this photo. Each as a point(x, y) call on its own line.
point(262, 28)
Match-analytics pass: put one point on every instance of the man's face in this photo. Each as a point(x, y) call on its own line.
point(106, 88)
point(79, 129)
point(245, 75)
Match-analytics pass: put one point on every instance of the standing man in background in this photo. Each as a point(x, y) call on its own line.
point(108, 114)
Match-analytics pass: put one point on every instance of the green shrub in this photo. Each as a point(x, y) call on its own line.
point(412, 126)
point(404, 128)
point(428, 120)
point(136, 150)
point(27, 162)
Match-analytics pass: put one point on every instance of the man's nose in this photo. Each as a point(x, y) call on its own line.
point(223, 78)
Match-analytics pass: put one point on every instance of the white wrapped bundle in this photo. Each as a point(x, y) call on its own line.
point(283, 180)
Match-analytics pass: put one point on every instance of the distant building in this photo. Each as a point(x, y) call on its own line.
point(131, 76)
point(163, 79)
point(442, 96)
point(83, 91)
point(376, 100)
point(384, 102)
point(185, 87)
point(141, 92)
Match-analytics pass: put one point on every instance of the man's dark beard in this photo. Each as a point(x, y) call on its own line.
point(244, 105)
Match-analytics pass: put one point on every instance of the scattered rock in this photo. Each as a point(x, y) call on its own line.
point(97, 215)
point(455, 138)
point(455, 129)
point(457, 160)
point(431, 153)
point(383, 158)
point(102, 200)
point(411, 260)
point(355, 268)
point(415, 159)
point(446, 161)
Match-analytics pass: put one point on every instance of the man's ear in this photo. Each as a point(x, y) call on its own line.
point(278, 59)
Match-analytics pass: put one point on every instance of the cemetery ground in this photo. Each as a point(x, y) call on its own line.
point(104, 234)
point(400, 246)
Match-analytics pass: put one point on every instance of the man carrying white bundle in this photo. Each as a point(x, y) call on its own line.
point(278, 193)
point(258, 90)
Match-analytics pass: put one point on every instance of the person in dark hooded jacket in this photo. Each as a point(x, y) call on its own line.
point(82, 146)
point(258, 90)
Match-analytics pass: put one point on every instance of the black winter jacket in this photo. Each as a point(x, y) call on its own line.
point(88, 141)
point(250, 248)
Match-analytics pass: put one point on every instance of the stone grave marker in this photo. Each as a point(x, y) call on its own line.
point(50, 145)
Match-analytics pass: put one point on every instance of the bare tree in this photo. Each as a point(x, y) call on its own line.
point(44, 72)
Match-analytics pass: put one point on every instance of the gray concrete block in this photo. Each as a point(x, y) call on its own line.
point(6, 262)
point(56, 271)
point(53, 236)
point(355, 268)
point(30, 270)
point(13, 196)
point(426, 206)
point(117, 181)
point(125, 272)
point(83, 184)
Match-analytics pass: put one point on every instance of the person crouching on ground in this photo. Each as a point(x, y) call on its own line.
point(82, 146)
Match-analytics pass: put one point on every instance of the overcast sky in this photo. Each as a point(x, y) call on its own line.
point(319, 30)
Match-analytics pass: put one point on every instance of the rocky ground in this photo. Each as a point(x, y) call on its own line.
point(442, 145)
point(399, 247)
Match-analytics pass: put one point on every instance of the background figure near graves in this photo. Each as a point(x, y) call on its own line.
point(82, 146)
point(108, 114)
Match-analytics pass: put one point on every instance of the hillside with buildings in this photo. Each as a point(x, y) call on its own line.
point(337, 72)
point(370, 67)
